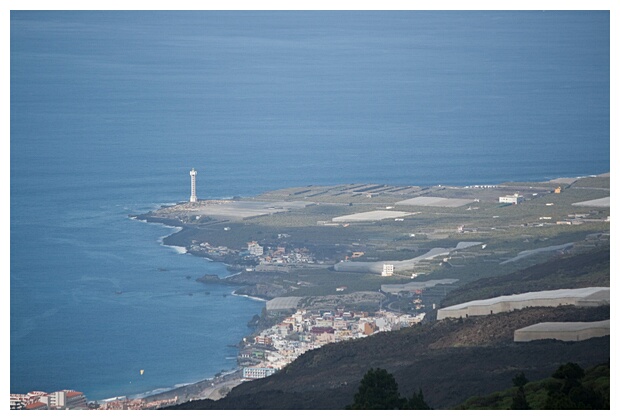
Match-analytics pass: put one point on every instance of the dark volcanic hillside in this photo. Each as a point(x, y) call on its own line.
point(587, 269)
point(450, 360)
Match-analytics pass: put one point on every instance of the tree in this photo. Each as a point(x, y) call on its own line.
point(519, 401)
point(416, 402)
point(571, 375)
point(378, 390)
point(520, 380)
point(569, 393)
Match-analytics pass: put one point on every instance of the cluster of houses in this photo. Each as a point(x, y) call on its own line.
point(305, 330)
point(279, 255)
point(123, 403)
point(213, 251)
point(66, 399)
point(258, 254)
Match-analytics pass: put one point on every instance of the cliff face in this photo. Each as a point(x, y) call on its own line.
point(450, 360)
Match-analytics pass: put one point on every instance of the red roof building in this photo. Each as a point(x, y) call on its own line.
point(36, 406)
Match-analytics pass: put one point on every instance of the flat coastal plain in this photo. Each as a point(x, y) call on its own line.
point(292, 242)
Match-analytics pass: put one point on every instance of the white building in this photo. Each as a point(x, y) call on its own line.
point(257, 372)
point(65, 400)
point(18, 401)
point(512, 199)
point(388, 270)
point(255, 249)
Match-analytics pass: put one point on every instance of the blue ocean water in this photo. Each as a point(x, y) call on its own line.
point(110, 110)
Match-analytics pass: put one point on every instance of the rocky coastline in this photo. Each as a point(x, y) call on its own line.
point(252, 284)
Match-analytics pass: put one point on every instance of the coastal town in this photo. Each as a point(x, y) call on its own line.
point(262, 355)
point(281, 344)
point(76, 400)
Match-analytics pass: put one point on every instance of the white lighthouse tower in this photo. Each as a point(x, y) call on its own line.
point(192, 197)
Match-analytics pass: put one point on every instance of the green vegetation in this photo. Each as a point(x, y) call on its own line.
point(569, 393)
point(569, 388)
point(378, 390)
point(519, 401)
